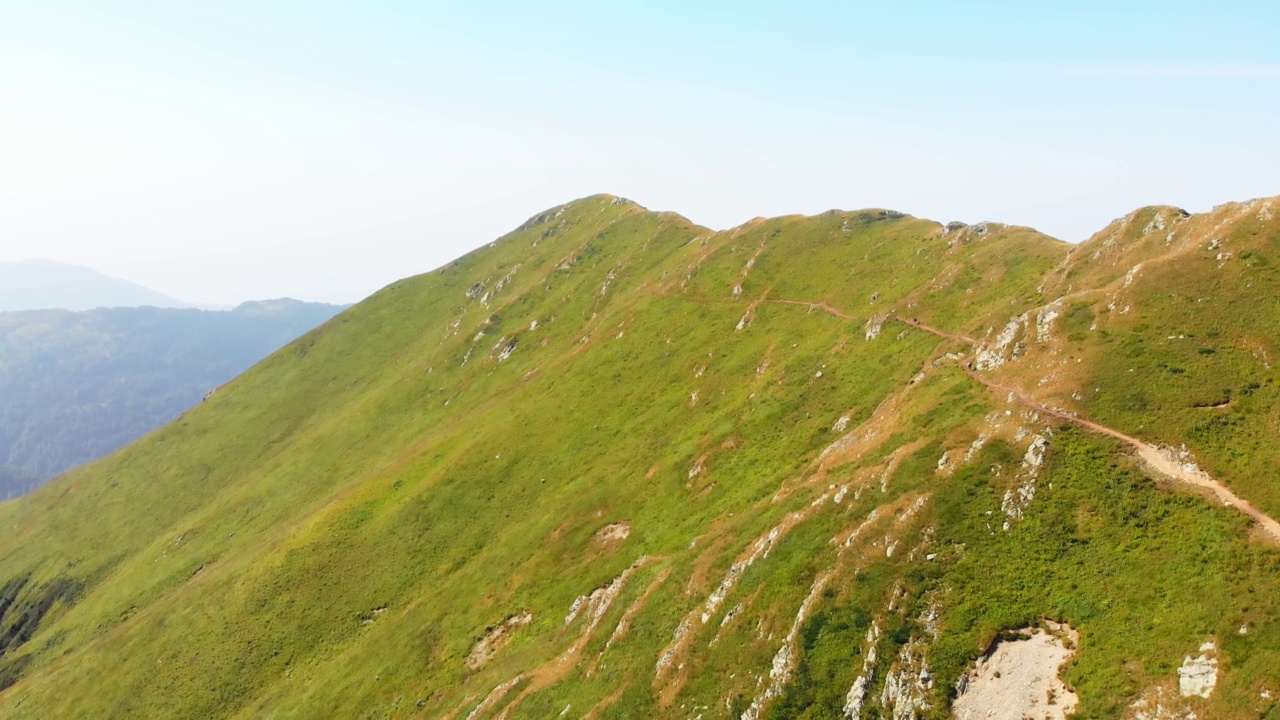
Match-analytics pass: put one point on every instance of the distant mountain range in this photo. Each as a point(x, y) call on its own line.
point(75, 386)
point(44, 284)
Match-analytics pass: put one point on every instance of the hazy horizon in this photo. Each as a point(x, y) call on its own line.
point(248, 150)
point(37, 284)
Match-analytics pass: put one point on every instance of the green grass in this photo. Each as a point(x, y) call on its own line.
point(331, 534)
point(1194, 361)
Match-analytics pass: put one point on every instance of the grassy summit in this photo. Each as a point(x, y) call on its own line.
point(618, 465)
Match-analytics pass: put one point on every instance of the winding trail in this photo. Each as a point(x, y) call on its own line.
point(1157, 460)
point(818, 305)
point(1150, 454)
point(959, 337)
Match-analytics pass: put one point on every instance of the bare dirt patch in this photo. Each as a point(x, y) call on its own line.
point(613, 533)
point(1019, 678)
point(593, 608)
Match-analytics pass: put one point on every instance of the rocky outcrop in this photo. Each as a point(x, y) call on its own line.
point(907, 685)
point(496, 638)
point(1199, 675)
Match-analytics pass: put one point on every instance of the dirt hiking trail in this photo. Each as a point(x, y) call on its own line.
point(1158, 460)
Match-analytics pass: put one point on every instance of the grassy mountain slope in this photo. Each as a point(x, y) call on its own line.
point(1180, 338)
point(618, 465)
point(75, 386)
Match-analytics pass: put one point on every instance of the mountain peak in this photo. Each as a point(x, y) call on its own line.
point(39, 284)
point(599, 201)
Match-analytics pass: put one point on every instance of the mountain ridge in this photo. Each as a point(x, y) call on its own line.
point(39, 284)
point(615, 465)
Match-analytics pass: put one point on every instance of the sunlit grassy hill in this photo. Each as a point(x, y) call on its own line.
point(618, 465)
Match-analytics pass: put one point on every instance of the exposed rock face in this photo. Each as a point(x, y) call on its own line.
point(1044, 321)
point(784, 661)
point(856, 698)
point(872, 329)
point(993, 355)
point(507, 350)
point(496, 639)
point(1157, 704)
point(1019, 678)
point(1198, 676)
point(601, 598)
point(1017, 499)
point(974, 448)
point(907, 686)
point(1035, 452)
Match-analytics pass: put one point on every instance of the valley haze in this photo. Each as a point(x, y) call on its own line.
point(89, 363)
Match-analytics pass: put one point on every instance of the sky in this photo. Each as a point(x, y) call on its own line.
point(225, 151)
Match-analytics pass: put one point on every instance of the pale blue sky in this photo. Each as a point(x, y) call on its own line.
point(222, 151)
